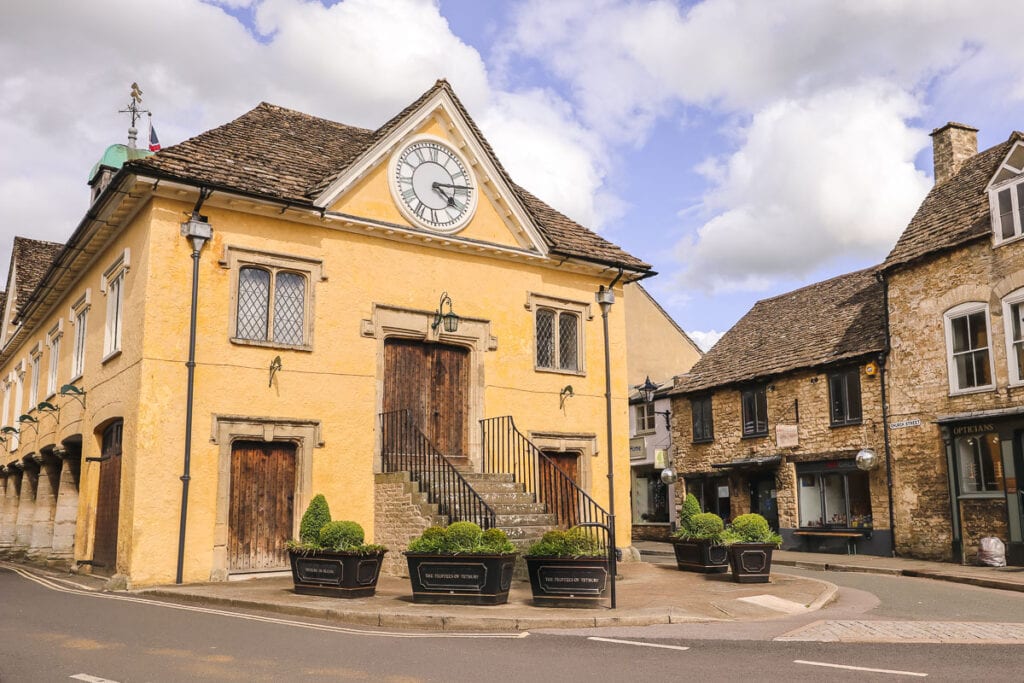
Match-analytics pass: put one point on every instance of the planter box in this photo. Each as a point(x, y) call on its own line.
point(460, 579)
point(335, 574)
point(701, 556)
point(568, 581)
point(751, 562)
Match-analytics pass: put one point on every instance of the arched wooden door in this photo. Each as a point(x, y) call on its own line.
point(261, 508)
point(104, 553)
point(432, 381)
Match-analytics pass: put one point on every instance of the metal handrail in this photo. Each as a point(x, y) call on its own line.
point(404, 448)
point(506, 449)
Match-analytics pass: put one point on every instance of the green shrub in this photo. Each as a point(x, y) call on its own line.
point(342, 535)
point(576, 542)
point(750, 528)
point(317, 514)
point(689, 508)
point(464, 538)
point(703, 526)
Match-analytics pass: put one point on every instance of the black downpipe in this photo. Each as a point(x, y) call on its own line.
point(882, 362)
point(612, 549)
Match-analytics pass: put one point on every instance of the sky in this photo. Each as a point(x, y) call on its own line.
point(744, 148)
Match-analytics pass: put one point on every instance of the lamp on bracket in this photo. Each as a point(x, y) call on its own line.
point(28, 420)
point(450, 320)
point(275, 365)
point(647, 391)
point(74, 392)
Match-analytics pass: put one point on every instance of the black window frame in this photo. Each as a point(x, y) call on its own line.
point(839, 407)
point(759, 425)
point(844, 469)
point(703, 419)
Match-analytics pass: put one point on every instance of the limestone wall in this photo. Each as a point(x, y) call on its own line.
point(401, 512)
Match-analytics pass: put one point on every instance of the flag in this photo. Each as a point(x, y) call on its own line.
point(154, 142)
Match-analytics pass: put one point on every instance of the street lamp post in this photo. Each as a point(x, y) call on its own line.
point(605, 298)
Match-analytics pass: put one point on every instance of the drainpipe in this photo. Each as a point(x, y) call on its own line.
point(605, 298)
point(198, 231)
point(882, 358)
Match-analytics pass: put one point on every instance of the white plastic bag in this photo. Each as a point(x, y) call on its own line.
point(991, 552)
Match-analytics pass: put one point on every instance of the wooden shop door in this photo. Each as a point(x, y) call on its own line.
point(108, 501)
point(260, 515)
point(431, 381)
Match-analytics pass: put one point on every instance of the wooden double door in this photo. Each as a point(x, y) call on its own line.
point(432, 382)
point(262, 505)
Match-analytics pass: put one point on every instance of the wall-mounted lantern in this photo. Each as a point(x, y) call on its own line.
point(450, 320)
point(647, 390)
point(74, 392)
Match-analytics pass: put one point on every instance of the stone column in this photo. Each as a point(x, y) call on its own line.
point(26, 508)
point(66, 517)
point(41, 539)
point(9, 509)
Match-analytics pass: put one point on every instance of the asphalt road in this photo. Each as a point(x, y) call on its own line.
point(51, 633)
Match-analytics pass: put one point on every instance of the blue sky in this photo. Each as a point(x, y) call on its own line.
point(744, 148)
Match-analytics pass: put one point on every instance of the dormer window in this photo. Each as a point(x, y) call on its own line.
point(1006, 196)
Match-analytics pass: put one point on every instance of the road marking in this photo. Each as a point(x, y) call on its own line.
point(91, 679)
point(775, 603)
point(894, 672)
point(638, 643)
point(51, 585)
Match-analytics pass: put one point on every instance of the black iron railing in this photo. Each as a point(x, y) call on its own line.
point(506, 449)
point(404, 448)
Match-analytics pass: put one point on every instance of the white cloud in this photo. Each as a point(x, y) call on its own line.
point(68, 67)
point(813, 180)
point(705, 340)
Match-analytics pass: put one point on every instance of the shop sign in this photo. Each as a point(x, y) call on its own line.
point(637, 448)
point(452, 575)
point(660, 458)
point(964, 430)
point(787, 436)
point(569, 580)
point(916, 422)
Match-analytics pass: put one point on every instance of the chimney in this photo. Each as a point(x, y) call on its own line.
point(952, 145)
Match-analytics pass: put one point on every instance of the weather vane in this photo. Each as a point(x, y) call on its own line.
point(133, 110)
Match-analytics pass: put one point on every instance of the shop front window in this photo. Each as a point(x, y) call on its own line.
point(713, 495)
point(650, 497)
point(979, 464)
point(833, 495)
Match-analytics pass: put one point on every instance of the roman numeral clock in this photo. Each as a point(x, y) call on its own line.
point(432, 185)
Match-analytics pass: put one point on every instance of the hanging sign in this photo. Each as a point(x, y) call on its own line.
point(660, 458)
point(787, 436)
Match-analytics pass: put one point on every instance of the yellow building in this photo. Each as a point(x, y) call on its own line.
point(355, 289)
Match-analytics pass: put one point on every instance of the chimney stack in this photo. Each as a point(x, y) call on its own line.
point(952, 145)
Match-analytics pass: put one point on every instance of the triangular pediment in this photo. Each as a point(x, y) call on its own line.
point(1011, 168)
point(470, 197)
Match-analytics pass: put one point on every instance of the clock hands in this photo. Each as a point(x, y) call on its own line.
point(450, 198)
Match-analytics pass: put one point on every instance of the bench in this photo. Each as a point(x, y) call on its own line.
point(849, 536)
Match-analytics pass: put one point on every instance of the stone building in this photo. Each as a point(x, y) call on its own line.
point(955, 288)
point(773, 418)
point(353, 291)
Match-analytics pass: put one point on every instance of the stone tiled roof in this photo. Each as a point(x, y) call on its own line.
point(33, 259)
point(285, 155)
point(821, 324)
point(954, 212)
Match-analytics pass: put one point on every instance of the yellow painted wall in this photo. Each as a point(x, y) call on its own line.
point(657, 347)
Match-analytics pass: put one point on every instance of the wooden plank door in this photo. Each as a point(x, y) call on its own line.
point(559, 495)
point(104, 553)
point(431, 381)
point(260, 514)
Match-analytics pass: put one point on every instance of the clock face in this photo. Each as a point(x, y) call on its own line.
point(433, 186)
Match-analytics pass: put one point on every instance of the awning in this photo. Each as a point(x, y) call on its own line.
point(750, 463)
point(975, 415)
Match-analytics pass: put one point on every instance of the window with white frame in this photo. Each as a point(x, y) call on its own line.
point(1006, 196)
point(33, 387)
point(112, 285)
point(1013, 315)
point(5, 418)
point(80, 317)
point(644, 418)
point(273, 297)
point(53, 338)
point(19, 395)
point(968, 349)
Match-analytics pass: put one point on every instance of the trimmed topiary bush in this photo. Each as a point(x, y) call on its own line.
point(462, 538)
point(317, 514)
point(576, 542)
point(703, 526)
point(341, 535)
point(689, 508)
point(750, 528)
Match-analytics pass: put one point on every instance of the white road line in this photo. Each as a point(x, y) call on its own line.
point(49, 584)
point(637, 643)
point(862, 668)
point(91, 679)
